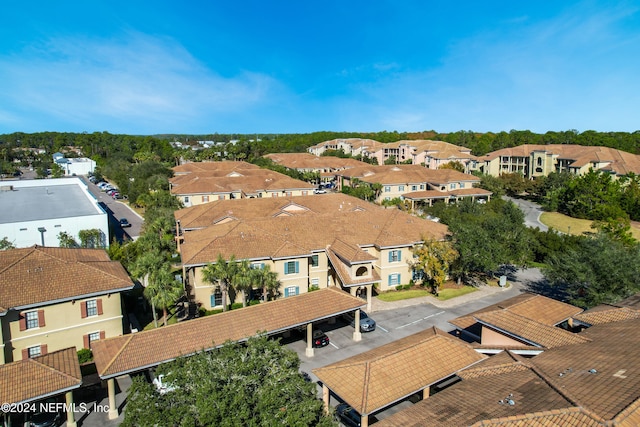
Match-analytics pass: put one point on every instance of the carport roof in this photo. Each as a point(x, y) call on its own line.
point(40, 377)
point(141, 350)
point(377, 378)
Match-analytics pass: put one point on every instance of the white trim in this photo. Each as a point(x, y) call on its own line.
point(65, 329)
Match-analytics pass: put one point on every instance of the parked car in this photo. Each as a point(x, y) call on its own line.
point(124, 223)
point(367, 324)
point(347, 415)
point(320, 339)
point(47, 414)
point(320, 191)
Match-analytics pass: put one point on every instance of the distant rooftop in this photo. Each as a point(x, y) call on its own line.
point(22, 201)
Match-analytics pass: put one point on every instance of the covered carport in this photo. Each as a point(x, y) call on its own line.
point(380, 378)
point(26, 382)
point(133, 353)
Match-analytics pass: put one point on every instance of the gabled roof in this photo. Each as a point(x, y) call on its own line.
point(532, 306)
point(206, 167)
point(350, 253)
point(528, 331)
point(134, 352)
point(309, 161)
point(406, 174)
point(261, 238)
point(372, 380)
point(40, 377)
point(40, 275)
point(204, 215)
point(345, 276)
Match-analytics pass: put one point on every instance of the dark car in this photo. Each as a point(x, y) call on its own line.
point(50, 416)
point(347, 415)
point(124, 223)
point(367, 324)
point(320, 339)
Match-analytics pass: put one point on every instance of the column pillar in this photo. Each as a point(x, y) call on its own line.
point(71, 421)
point(113, 409)
point(325, 398)
point(369, 296)
point(364, 420)
point(425, 393)
point(309, 350)
point(357, 335)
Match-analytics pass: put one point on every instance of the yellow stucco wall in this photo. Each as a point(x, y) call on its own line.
point(64, 326)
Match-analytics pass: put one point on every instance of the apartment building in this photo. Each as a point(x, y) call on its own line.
point(198, 183)
point(54, 298)
point(311, 242)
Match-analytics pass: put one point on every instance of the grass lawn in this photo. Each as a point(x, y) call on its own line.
point(443, 295)
point(399, 295)
point(568, 225)
point(446, 294)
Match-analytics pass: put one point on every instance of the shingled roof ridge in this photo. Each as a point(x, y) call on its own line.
point(115, 356)
point(26, 254)
point(366, 382)
point(52, 368)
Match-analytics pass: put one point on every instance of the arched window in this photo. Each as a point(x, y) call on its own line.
point(362, 271)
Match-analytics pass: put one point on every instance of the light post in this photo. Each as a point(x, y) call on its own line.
point(42, 230)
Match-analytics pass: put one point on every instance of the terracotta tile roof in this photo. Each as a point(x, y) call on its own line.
point(569, 417)
point(607, 314)
point(603, 374)
point(374, 379)
point(309, 161)
point(527, 330)
point(477, 397)
point(532, 306)
point(349, 252)
point(622, 162)
point(207, 214)
point(36, 275)
point(131, 353)
point(249, 181)
point(204, 167)
point(39, 377)
point(345, 276)
point(261, 238)
point(406, 174)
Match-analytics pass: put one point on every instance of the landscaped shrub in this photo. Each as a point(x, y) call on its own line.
point(85, 355)
point(407, 287)
point(398, 287)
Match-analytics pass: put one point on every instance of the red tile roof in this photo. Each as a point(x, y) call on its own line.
point(40, 377)
point(377, 378)
point(131, 353)
point(37, 275)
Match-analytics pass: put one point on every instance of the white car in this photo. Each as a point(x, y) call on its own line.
point(320, 191)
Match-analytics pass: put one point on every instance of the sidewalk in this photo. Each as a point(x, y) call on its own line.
point(483, 291)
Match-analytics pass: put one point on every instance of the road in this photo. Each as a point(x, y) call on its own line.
point(532, 212)
point(117, 209)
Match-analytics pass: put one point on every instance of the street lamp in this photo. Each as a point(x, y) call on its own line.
point(42, 230)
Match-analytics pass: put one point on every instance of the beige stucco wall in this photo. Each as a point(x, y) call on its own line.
point(387, 268)
point(491, 337)
point(64, 326)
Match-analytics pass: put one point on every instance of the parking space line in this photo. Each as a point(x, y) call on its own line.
point(420, 320)
point(380, 327)
point(331, 343)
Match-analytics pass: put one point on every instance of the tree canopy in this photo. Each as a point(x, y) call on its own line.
point(252, 384)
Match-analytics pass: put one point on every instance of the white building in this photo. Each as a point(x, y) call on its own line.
point(37, 211)
point(75, 165)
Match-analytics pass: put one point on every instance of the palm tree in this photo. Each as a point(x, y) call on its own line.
point(244, 279)
point(144, 266)
point(163, 289)
point(222, 273)
point(270, 282)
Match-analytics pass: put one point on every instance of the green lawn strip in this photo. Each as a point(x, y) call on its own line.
point(400, 295)
point(446, 294)
point(566, 224)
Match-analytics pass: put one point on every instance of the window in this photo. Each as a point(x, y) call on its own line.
point(394, 279)
point(216, 299)
point(400, 187)
point(414, 187)
point(305, 192)
point(274, 194)
point(257, 266)
point(205, 199)
point(387, 189)
point(314, 261)
point(32, 321)
point(92, 308)
point(93, 337)
point(186, 199)
point(220, 196)
point(452, 186)
point(289, 193)
point(291, 267)
point(395, 256)
point(315, 282)
point(291, 291)
point(422, 186)
point(34, 351)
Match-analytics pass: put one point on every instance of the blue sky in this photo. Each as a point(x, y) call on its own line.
point(281, 66)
